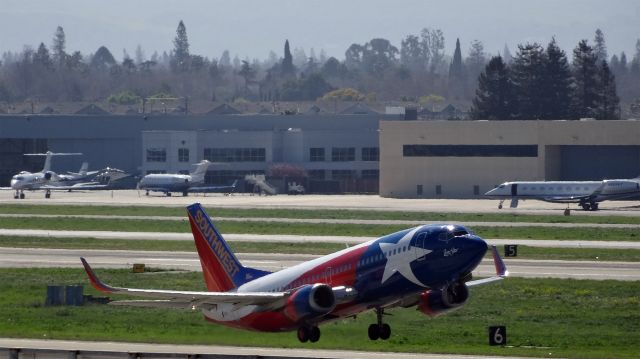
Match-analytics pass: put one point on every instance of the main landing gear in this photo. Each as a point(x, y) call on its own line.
point(47, 194)
point(379, 330)
point(308, 333)
point(589, 206)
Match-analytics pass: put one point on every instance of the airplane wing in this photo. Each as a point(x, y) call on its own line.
point(185, 299)
point(566, 199)
point(501, 270)
point(206, 189)
point(87, 186)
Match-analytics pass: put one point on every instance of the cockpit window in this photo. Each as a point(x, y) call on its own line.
point(20, 178)
point(501, 186)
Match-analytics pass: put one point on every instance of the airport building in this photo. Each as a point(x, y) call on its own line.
point(464, 159)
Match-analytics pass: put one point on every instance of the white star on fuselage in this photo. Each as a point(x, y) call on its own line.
point(401, 261)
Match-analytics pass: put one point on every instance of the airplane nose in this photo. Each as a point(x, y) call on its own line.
point(477, 246)
point(490, 192)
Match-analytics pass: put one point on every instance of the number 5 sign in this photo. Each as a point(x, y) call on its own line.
point(498, 335)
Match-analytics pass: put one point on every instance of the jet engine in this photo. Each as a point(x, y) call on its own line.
point(434, 302)
point(48, 175)
point(310, 301)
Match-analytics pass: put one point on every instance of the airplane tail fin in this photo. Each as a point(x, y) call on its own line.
point(200, 171)
point(221, 268)
point(84, 168)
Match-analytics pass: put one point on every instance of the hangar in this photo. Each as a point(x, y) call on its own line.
point(464, 159)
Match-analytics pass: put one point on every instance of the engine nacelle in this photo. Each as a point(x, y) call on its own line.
point(310, 301)
point(435, 302)
point(48, 175)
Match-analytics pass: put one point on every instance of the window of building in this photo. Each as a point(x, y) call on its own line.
point(370, 174)
point(470, 150)
point(419, 190)
point(156, 155)
point(235, 154)
point(476, 190)
point(438, 189)
point(316, 174)
point(343, 154)
point(342, 174)
point(316, 154)
point(183, 155)
point(370, 154)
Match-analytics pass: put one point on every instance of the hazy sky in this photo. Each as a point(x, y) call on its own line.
point(254, 27)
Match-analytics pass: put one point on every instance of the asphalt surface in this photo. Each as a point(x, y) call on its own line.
point(235, 237)
point(362, 202)
point(233, 352)
point(57, 258)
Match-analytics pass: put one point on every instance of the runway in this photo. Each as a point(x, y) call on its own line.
point(359, 202)
point(232, 352)
point(289, 238)
point(335, 221)
point(47, 258)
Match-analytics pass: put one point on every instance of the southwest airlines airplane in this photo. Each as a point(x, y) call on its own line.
point(428, 267)
point(586, 193)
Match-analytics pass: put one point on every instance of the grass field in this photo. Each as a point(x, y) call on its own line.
point(524, 252)
point(322, 214)
point(544, 318)
point(145, 225)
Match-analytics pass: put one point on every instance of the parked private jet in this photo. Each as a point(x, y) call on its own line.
point(34, 181)
point(586, 193)
point(174, 182)
point(427, 267)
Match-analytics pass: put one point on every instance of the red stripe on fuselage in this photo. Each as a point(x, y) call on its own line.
point(215, 275)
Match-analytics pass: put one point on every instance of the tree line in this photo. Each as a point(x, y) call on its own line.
point(540, 84)
point(419, 71)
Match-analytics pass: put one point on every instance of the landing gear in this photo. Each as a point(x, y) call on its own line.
point(47, 194)
point(18, 194)
point(168, 194)
point(379, 330)
point(146, 194)
point(311, 334)
point(589, 206)
point(500, 204)
point(185, 193)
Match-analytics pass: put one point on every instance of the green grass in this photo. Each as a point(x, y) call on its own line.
point(524, 252)
point(578, 217)
point(544, 318)
point(141, 225)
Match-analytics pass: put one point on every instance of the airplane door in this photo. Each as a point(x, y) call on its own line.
point(514, 189)
point(420, 242)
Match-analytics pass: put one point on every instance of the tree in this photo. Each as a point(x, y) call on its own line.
point(609, 108)
point(287, 62)
point(378, 55)
point(412, 54)
point(528, 74)
point(181, 57)
point(495, 98)
point(457, 73)
point(42, 58)
point(433, 44)
point(506, 55)
point(305, 89)
point(248, 74)
point(102, 59)
point(353, 57)
point(556, 82)
point(600, 47)
point(475, 63)
point(585, 73)
point(58, 48)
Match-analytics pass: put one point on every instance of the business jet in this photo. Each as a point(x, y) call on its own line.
point(427, 267)
point(586, 193)
point(40, 180)
point(173, 182)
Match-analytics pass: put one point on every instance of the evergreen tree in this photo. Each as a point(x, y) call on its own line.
point(457, 73)
point(287, 62)
point(506, 55)
point(609, 106)
point(585, 99)
point(181, 58)
point(600, 47)
point(42, 57)
point(557, 81)
point(528, 74)
point(102, 59)
point(58, 48)
point(495, 98)
point(225, 60)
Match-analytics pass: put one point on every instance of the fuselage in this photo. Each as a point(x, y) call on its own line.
point(567, 191)
point(29, 181)
point(393, 268)
point(166, 182)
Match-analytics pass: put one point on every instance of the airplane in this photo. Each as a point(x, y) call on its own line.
point(427, 267)
point(586, 193)
point(174, 182)
point(26, 180)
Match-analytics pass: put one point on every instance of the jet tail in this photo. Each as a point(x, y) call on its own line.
point(221, 268)
point(200, 171)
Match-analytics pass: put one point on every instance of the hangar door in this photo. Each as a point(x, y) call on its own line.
point(599, 162)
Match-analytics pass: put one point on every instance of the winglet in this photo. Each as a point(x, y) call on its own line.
point(501, 268)
point(95, 282)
